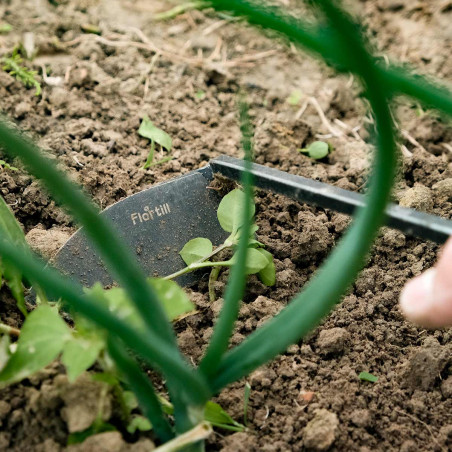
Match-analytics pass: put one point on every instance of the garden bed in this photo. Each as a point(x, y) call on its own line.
point(311, 397)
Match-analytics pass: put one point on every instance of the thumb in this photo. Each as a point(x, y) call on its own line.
point(427, 299)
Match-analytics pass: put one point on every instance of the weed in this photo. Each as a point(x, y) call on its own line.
point(14, 65)
point(366, 376)
point(317, 150)
point(5, 28)
point(198, 252)
point(7, 166)
point(150, 131)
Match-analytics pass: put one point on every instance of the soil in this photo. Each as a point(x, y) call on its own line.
point(310, 398)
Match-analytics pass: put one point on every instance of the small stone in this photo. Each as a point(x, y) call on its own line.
point(444, 188)
point(320, 433)
point(361, 418)
point(333, 340)
point(446, 387)
point(418, 197)
point(423, 367)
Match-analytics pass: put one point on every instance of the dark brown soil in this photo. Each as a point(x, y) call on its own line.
point(311, 397)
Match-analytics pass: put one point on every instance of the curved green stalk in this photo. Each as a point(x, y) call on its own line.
point(334, 277)
point(143, 388)
point(155, 351)
point(116, 254)
point(236, 284)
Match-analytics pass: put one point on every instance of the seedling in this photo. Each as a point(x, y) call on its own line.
point(7, 166)
point(366, 376)
point(336, 38)
point(5, 28)
point(14, 66)
point(295, 97)
point(317, 150)
point(157, 136)
point(246, 402)
point(198, 252)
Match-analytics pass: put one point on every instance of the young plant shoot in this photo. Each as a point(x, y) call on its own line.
point(157, 136)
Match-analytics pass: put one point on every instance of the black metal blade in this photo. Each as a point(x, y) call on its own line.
point(156, 223)
point(309, 191)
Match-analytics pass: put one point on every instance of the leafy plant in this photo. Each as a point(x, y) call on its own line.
point(317, 150)
point(198, 252)
point(6, 165)
point(150, 131)
point(14, 65)
point(190, 388)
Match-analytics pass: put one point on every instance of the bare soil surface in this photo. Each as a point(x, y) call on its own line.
point(184, 74)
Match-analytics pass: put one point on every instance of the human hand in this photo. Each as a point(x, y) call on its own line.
point(427, 299)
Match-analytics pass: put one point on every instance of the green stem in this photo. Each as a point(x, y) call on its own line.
point(236, 284)
point(213, 277)
point(143, 388)
point(156, 351)
point(180, 9)
point(116, 254)
point(6, 329)
point(335, 276)
point(201, 263)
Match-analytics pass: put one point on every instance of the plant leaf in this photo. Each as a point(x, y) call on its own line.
point(255, 261)
point(268, 274)
point(295, 97)
point(230, 210)
point(218, 417)
point(11, 230)
point(41, 340)
point(175, 301)
point(317, 150)
point(366, 376)
point(79, 354)
point(196, 249)
point(149, 130)
point(139, 423)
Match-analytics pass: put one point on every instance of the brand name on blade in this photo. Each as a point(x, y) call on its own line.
point(150, 214)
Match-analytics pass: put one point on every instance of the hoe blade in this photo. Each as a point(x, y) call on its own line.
point(156, 223)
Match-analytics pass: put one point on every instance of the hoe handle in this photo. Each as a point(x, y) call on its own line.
point(302, 189)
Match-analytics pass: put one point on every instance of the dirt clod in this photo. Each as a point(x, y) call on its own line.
point(333, 340)
point(419, 197)
point(320, 432)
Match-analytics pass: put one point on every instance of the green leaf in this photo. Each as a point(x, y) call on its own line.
point(218, 417)
point(12, 232)
point(268, 274)
point(149, 130)
point(79, 354)
point(255, 261)
point(139, 423)
point(317, 150)
point(230, 210)
point(366, 376)
point(41, 340)
point(175, 301)
point(295, 97)
point(5, 27)
point(6, 165)
point(196, 249)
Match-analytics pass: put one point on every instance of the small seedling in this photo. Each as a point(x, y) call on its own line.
point(150, 131)
point(294, 98)
point(198, 252)
point(5, 28)
point(317, 150)
point(366, 376)
point(14, 66)
point(7, 166)
point(200, 94)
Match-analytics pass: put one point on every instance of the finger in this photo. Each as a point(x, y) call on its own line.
point(427, 299)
